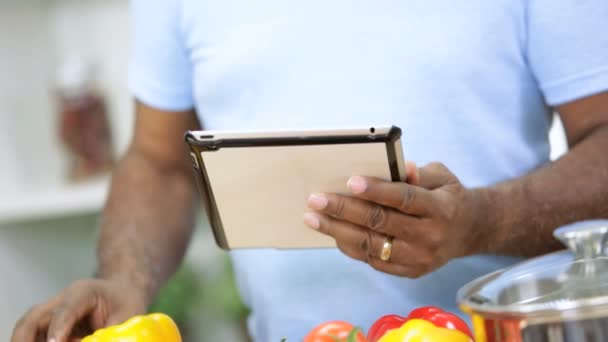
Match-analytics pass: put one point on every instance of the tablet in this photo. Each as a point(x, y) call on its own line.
point(255, 184)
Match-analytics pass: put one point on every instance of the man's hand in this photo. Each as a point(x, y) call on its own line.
point(431, 220)
point(79, 310)
point(434, 218)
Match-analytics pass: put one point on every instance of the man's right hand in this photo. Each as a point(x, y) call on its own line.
point(85, 306)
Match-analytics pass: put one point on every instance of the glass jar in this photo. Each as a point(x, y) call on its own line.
point(83, 121)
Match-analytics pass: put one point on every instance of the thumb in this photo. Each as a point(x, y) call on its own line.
point(434, 175)
point(412, 174)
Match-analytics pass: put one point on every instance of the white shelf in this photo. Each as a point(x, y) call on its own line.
point(69, 200)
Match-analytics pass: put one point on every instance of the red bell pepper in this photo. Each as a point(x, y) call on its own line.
point(423, 311)
point(384, 324)
point(449, 321)
point(431, 314)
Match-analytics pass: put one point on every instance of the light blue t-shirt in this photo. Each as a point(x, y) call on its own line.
point(469, 82)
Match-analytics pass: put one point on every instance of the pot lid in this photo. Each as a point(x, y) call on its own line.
point(573, 282)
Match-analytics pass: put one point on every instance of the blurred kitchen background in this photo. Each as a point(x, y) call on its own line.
point(51, 51)
point(53, 181)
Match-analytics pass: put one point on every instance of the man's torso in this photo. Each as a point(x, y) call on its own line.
point(452, 75)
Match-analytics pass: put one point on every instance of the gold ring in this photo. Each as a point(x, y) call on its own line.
point(387, 248)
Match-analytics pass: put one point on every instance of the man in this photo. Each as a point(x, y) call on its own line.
point(471, 83)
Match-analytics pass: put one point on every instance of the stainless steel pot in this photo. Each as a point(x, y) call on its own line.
point(559, 297)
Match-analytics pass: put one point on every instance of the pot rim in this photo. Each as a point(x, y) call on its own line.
point(534, 313)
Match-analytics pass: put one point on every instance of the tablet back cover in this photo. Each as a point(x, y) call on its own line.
point(260, 193)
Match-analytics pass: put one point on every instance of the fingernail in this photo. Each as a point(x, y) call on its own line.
point(357, 185)
point(312, 220)
point(318, 202)
point(52, 340)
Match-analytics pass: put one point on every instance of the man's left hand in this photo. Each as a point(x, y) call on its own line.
point(429, 220)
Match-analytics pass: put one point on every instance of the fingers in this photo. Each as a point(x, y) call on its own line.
point(407, 198)
point(365, 214)
point(73, 308)
point(394, 268)
point(32, 326)
point(408, 212)
point(356, 242)
point(365, 245)
point(28, 328)
point(83, 307)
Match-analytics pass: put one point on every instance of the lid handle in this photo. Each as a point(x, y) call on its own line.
point(586, 239)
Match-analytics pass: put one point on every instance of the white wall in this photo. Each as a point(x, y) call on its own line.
point(25, 65)
point(559, 145)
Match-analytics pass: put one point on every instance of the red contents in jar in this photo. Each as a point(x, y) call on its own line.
point(83, 123)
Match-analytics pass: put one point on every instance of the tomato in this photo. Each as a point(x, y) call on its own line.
point(333, 331)
point(383, 325)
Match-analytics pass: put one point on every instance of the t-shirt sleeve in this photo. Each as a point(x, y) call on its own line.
point(160, 71)
point(567, 47)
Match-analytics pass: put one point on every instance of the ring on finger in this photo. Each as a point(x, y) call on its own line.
point(387, 248)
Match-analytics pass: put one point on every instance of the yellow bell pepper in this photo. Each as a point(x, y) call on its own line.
point(419, 330)
point(151, 328)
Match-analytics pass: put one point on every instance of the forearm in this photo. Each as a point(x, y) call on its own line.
point(518, 217)
point(147, 223)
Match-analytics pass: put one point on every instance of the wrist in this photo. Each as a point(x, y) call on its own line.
point(139, 286)
point(487, 232)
